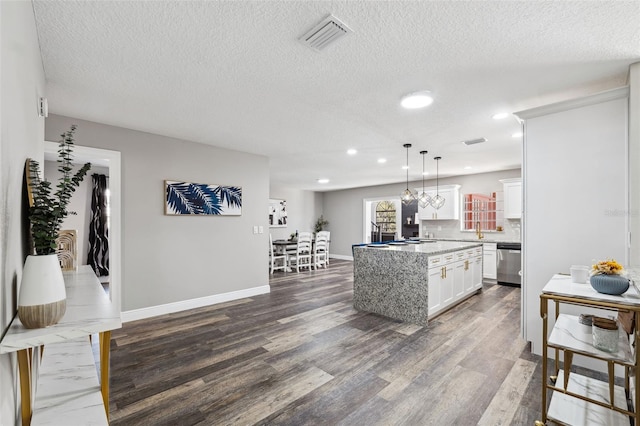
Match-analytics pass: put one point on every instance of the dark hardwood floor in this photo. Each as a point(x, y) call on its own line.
point(302, 355)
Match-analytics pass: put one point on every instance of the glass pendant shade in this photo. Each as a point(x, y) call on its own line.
point(424, 199)
point(438, 200)
point(407, 196)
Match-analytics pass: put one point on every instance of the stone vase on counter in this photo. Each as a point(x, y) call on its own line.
point(42, 300)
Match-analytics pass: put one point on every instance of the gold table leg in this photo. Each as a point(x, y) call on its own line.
point(105, 350)
point(544, 315)
point(24, 367)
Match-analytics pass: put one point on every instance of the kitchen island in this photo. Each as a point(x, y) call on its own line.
point(413, 281)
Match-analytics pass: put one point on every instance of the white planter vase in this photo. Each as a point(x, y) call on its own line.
point(43, 299)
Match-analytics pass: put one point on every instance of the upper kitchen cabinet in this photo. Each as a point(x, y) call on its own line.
point(451, 208)
point(512, 198)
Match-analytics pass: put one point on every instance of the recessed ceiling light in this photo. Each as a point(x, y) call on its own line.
point(425, 173)
point(500, 115)
point(405, 167)
point(323, 180)
point(474, 141)
point(352, 151)
point(517, 135)
point(468, 167)
point(382, 160)
point(417, 100)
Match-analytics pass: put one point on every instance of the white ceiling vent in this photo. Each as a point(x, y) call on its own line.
point(325, 33)
point(474, 141)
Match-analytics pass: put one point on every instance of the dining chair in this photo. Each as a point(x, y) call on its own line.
point(320, 251)
point(275, 257)
point(301, 258)
point(327, 236)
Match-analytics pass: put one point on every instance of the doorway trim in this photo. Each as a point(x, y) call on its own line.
point(110, 159)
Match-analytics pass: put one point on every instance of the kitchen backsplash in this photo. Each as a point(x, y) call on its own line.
point(451, 229)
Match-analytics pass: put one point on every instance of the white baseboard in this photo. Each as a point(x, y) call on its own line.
point(152, 311)
point(341, 257)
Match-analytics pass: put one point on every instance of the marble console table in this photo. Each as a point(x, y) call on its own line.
point(394, 280)
point(578, 399)
point(89, 311)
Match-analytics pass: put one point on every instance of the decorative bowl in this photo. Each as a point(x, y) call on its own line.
point(609, 284)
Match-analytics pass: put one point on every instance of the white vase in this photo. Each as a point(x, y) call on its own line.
point(42, 298)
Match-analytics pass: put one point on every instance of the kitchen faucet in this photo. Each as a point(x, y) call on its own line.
point(479, 231)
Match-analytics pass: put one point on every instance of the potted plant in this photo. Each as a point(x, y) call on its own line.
point(42, 297)
point(320, 224)
point(607, 277)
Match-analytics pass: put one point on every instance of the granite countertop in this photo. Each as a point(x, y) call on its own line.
point(429, 248)
point(476, 240)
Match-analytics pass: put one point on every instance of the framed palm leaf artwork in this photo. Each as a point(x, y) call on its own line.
point(185, 198)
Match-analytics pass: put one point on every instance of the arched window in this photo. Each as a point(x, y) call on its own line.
point(386, 216)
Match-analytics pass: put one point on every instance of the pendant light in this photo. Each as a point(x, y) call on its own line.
point(407, 195)
point(438, 200)
point(424, 199)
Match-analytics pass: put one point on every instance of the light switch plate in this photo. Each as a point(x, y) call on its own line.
point(255, 229)
point(260, 229)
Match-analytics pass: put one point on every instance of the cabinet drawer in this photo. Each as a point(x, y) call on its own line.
point(448, 258)
point(435, 261)
point(490, 246)
point(461, 255)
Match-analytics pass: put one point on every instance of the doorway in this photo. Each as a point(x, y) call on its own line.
point(390, 229)
point(110, 160)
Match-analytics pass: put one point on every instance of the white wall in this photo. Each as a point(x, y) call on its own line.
point(575, 194)
point(303, 210)
point(634, 158)
point(344, 209)
point(21, 136)
point(173, 259)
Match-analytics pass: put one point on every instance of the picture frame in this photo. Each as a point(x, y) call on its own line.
point(277, 213)
point(187, 198)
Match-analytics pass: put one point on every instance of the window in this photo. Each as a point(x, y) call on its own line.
point(482, 209)
point(386, 216)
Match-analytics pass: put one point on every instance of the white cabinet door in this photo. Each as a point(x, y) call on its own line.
point(469, 270)
point(477, 272)
point(446, 285)
point(512, 198)
point(435, 300)
point(459, 279)
point(489, 262)
point(451, 208)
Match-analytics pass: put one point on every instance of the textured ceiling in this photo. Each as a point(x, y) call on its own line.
point(233, 74)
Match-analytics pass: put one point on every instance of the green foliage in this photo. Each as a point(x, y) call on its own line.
point(49, 210)
point(320, 224)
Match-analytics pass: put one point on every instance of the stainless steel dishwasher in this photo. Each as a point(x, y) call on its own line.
point(508, 264)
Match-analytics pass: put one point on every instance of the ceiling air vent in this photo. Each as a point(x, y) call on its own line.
point(325, 33)
point(474, 141)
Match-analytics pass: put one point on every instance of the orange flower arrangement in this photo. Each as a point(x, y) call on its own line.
point(607, 267)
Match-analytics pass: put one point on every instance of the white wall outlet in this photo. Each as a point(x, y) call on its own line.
point(260, 229)
point(439, 228)
point(255, 229)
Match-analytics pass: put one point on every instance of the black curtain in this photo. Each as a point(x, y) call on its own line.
point(98, 256)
